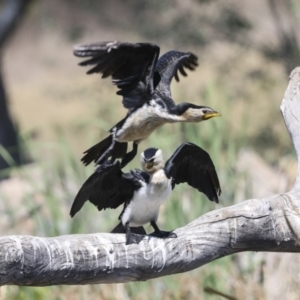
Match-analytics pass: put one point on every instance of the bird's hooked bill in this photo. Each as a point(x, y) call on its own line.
point(211, 115)
point(149, 165)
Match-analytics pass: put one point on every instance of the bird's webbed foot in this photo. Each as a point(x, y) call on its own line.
point(132, 238)
point(107, 153)
point(130, 155)
point(161, 234)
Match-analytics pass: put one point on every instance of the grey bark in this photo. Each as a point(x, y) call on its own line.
point(266, 224)
point(10, 15)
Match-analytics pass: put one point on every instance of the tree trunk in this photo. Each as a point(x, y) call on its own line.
point(10, 15)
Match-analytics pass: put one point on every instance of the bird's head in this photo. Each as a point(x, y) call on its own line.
point(152, 160)
point(194, 113)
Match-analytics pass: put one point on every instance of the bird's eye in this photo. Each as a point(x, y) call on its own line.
point(205, 111)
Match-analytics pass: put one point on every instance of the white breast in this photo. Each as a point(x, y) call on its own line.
point(141, 123)
point(146, 202)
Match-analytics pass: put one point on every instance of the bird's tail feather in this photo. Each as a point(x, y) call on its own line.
point(99, 150)
point(93, 153)
point(120, 229)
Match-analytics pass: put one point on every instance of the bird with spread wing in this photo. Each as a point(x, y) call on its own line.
point(144, 81)
point(143, 192)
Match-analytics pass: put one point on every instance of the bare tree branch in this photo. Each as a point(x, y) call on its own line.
point(268, 224)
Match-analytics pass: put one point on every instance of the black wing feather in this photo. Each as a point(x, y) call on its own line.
point(168, 66)
point(193, 165)
point(108, 187)
point(131, 67)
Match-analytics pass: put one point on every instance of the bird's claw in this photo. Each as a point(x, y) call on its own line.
point(163, 234)
point(133, 238)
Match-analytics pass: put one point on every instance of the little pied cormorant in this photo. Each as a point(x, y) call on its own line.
point(142, 192)
point(144, 82)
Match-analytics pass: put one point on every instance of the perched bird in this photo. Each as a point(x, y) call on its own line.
point(142, 192)
point(144, 82)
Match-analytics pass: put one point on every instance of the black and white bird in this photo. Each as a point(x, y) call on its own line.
point(143, 192)
point(144, 82)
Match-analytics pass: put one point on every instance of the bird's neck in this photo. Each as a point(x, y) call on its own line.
point(170, 113)
point(158, 178)
point(187, 112)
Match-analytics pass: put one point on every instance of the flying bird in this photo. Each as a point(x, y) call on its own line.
point(143, 191)
point(144, 83)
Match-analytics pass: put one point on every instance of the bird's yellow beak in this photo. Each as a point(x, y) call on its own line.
point(211, 115)
point(149, 165)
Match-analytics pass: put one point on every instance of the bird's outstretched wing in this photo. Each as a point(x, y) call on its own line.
point(131, 67)
point(108, 187)
point(169, 65)
point(193, 165)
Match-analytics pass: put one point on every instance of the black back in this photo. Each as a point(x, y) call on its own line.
point(108, 187)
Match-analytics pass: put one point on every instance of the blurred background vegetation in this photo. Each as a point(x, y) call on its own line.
point(246, 50)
